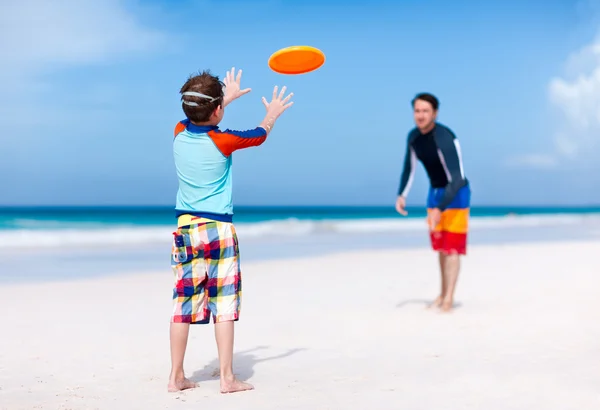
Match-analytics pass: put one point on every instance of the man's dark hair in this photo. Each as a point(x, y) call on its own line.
point(204, 83)
point(430, 98)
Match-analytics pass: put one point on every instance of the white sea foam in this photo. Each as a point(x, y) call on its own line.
point(55, 234)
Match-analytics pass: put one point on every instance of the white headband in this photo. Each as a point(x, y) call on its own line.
point(199, 95)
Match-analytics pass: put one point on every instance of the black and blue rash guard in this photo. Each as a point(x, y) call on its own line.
point(439, 152)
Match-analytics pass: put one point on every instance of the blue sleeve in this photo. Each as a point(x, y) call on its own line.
point(450, 151)
point(408, 168)
point(229, 141)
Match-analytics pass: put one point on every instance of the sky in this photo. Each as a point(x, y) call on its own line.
point(90, 96)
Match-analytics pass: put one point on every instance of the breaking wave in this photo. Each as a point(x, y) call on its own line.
point(31, 233)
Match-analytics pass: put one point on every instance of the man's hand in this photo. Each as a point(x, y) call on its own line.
point(232, 87)
point(401, 205)
point(434, 218)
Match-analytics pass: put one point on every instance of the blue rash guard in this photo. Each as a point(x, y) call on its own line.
point(440, 154)
point(203, 160)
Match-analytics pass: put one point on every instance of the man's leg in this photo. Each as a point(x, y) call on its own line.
point(438, 301)
point(224, 335)
point(179, 336)
point(442, 260)
point(451, 270)
point(454, 229)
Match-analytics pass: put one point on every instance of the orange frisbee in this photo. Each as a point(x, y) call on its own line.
point(296, 60)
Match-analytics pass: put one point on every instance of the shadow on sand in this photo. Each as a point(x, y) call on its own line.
point(423, 302)
point(243, 364)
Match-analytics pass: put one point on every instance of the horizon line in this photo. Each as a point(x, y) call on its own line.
point(305, 206)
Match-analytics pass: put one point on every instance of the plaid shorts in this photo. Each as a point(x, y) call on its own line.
point(205, 261)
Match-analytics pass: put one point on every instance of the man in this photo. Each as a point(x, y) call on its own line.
point(448, 202)
point(205, 250)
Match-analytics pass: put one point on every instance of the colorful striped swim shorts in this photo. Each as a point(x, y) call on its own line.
point(450, 236)
point(205, 261)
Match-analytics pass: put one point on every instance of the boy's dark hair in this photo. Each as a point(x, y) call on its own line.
point(205, 83)
point(430, 98)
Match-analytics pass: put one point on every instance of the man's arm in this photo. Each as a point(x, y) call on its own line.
point(408, 170)
point(451, 157)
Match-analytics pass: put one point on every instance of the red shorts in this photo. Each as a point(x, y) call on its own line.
point(449, 242)
point(450, 235)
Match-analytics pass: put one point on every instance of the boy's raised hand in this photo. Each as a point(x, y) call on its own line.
point(232, 86)
point(278, 104)
point(275, 108)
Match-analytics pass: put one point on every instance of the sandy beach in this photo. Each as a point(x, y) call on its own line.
point(340, 331)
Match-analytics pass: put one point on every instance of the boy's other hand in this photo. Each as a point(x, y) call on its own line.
point(232, 86)
point(278, 104)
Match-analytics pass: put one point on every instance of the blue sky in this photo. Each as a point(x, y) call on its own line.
point(90, 97)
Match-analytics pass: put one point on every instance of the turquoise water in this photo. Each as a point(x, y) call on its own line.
point(71, 243)
point(98, 217)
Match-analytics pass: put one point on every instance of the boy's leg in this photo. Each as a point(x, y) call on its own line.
point(225, 290)
point(189, 300)
point(179, 336)
point(224, 332)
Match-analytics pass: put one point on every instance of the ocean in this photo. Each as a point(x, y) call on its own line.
point(97, 226)
point(70, 243)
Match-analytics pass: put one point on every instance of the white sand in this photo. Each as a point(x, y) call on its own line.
point(337, 332)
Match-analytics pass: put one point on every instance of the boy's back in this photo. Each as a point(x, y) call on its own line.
point(203, 161)
point(205, 249)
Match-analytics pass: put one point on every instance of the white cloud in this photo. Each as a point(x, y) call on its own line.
point(39, 34)
point(576, 96)
point(566, 146)
point(39, 38)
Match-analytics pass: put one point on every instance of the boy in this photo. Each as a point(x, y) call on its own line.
point(205, 253)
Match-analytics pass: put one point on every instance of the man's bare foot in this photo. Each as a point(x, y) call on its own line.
point(181, 384)
point(235, 385)
point(436, 303)
point(447, 306)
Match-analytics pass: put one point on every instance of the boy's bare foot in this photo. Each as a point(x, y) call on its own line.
point(436, 303)
point(234, 385)
point(181, 384)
